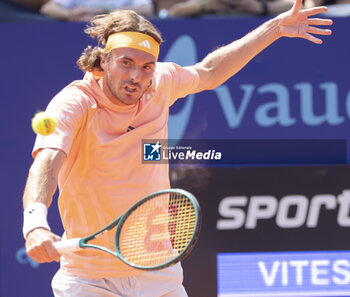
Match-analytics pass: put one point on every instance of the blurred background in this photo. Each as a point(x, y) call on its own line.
point(276, 210)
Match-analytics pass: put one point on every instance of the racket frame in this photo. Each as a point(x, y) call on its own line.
point(185, 251)
point(83, 242)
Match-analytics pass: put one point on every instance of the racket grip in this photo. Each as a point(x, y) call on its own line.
point(67, 246)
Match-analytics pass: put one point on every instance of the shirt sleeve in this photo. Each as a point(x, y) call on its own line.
point(68, 110)
point(184, 81)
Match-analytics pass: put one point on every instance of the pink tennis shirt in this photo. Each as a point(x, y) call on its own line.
point(103, 174)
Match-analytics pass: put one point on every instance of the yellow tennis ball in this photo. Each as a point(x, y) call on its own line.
point(44, 124)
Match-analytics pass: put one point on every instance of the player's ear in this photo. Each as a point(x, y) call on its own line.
point(103, 61)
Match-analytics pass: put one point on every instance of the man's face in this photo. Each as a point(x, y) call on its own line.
point(127, 75)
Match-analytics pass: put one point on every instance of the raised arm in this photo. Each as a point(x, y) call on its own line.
point(226, 61)
point(40, 188)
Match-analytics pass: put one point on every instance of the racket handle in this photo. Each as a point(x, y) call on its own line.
point(67, 246)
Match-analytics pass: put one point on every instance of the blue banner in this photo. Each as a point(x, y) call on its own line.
point(292, 90)
point(284, 274)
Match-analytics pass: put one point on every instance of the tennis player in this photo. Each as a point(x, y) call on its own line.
point(94, 156)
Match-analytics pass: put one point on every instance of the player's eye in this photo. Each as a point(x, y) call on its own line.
point(126, 63)
point(148, 67)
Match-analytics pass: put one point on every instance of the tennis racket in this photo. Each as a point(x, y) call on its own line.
point(158, 231)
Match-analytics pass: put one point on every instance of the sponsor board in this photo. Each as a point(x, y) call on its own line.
point(291, 211)
point(297, 215)
point(313, 273)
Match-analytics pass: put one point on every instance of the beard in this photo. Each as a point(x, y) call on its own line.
point(121, 93)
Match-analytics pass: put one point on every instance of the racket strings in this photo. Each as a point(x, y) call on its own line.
point(158, 230)
point(183, 218)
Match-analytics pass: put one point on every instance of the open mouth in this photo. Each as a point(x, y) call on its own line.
point(130, 89)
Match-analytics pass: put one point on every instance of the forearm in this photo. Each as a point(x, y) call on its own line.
point(226, 61)
point(42, 179)
point(41, 186)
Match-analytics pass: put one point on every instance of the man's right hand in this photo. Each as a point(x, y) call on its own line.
point(39, 245)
